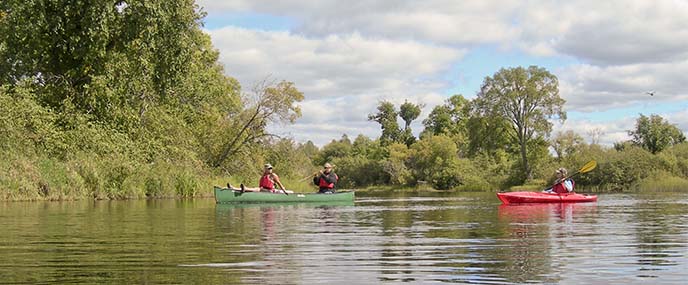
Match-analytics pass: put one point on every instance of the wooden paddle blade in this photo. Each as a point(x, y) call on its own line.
point(588, 166)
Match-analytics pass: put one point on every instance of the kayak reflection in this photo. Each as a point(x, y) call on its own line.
point(542, 212)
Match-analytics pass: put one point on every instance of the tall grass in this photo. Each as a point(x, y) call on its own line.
point(88, 177)
point(663, 182)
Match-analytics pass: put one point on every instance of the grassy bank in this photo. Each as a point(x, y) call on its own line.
point(84, 177)
point(39, 177)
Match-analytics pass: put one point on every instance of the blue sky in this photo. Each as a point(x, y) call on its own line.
point(346, 56)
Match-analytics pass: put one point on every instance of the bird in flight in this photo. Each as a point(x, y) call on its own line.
point(651, 93)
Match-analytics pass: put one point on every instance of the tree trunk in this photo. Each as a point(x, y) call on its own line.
point(524, 156)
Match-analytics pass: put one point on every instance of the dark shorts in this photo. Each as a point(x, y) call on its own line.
point(326, 191)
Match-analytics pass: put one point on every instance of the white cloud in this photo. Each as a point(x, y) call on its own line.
point(680, 120)
point(609, 132)
point(589, 88)
point(346, 56)
point(598, 32)
point(343, 77)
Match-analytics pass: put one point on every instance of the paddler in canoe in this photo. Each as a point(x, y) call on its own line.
point(563, 184)
point(267, 183)
point(325, 179)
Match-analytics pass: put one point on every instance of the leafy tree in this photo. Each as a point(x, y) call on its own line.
point(526, 98)
point(435, 159)
point(309, 149)
point(80, 52)
point(386, 116)
point(623, 170)
point(566, 143)
point(271, 103)
point(488, 135)
point(286, 156)
point(395, 166)
point(334, 149)
point(409, 112)
point(139, 70)
point(654, 133)
point(449, 118)
point(366, 147)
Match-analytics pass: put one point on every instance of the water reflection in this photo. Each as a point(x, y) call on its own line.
point(461, 238)
point(543, 212)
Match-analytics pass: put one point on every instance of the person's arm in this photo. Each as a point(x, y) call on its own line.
point(277, 181)
point(316, 179)
point(568, 185)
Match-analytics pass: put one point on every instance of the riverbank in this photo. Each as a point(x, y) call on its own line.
point(38, 178)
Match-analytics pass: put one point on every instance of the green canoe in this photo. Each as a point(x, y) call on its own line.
point(227, 195)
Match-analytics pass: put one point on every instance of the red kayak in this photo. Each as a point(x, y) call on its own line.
point(540, 197)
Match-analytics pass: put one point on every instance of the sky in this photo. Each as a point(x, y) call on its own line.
point(348, 56)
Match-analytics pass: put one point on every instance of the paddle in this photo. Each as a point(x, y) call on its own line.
point(314, 173)
point(586, 168)
point(309, 176)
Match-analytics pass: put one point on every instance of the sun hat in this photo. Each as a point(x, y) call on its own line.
point(562, 171)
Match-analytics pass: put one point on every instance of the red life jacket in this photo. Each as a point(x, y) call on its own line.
point(324, 184)
point(266, 182)
point(559, 188)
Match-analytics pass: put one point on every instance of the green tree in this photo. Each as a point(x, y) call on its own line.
point(435, 159)
point(367, 147)
point(334, 149)
point(102, 55)
point(272, 103)
point(309, 149)
point(386, 116)
point(395, 165)
point(566, 143)
point(449, 118)
point(408, 113)
point(654, 133)
point(526, 98)
point(139, 70)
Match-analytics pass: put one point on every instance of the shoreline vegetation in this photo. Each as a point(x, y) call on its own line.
point(138, 106)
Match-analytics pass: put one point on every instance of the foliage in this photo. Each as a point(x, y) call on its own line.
point(134, 85)
point(386, 116)
point(526, 98)
point(359, 171)
point(449, 118)
point(335, 149)
point(566, 144)
point(625, 169)
point(272, 103)
point(408, 113)
point(287, 157)
point(654, 133)
point(662, 181)
point(395, 166)
point(488, 135)
point(435, 160)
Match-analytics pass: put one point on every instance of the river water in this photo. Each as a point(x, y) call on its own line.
point(416, 238)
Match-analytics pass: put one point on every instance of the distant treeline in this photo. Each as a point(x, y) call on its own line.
point(113, 100)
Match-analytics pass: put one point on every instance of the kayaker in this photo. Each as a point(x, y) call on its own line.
point(562, 184)
point(269, 180)
point(326, 179)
